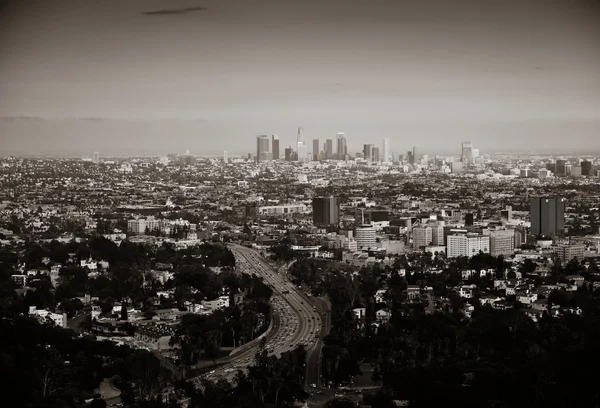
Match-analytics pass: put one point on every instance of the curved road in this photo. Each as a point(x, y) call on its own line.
point(297, 320)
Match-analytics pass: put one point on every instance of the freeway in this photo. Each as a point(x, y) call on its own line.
point(299, 323)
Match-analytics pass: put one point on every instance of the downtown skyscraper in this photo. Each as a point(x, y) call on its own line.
point(316, 148)
point(341, 144)
point(467, 156)
point(275, 147)
point(385, 150)
point(301, 146)
point(329, 149)
point(263, 148)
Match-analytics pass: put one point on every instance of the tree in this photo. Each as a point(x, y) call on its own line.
point(147, 374)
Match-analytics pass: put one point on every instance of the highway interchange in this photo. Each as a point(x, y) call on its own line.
point(296, 321)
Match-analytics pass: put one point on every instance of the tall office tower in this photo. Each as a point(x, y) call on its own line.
point(467, 245)
point(275, 145)
point(315, 149)
point(342, 148)
point(415, 155)
point(288, 153)
point(409, 158)
point(368, 152)
point(547, 216)
point(225, 157)
point(469, 219)
point(301, 152)
point(395, 157)
point(375, 154)
point(365, 236)
point(385, 150)
point(263, 148)
point(506, 215)
point(96, 158)
point(422, 237)
point(475, 154)
point(249, 156)
point(329, 149)
point(502, 242)
point(467, 153)
point(561, 167)
point(437, 235)
point(576, 171)
point(586, 168)
point(326, 210)
point(425, 159)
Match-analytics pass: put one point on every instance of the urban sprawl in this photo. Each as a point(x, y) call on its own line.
point(308, 278)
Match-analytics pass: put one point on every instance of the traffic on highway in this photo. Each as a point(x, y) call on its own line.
point(295, 321)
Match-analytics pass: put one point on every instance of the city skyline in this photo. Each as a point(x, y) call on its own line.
point(138, 77)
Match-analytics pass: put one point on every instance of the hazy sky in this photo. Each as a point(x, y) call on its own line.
point(160, 76)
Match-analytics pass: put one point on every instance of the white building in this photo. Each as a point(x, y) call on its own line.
point(422, 237)
point(365, 236)
point(385, 150)
point(282, 210)
point(467, 245)
point(58, 319)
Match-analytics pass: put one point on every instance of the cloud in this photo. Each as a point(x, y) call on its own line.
point(170, 12)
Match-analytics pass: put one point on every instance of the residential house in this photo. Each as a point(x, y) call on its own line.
point(466, 291)
point(383, 315)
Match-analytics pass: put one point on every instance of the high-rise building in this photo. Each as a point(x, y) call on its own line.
point(567, 252)
point(547, 216)
point(288, 153)
point(225, 157)
point(437, 235)
point(506, 215)
point(409, 158)
point(467, 245)
point(315, 149)
point(375, 154)
point(326, 210)
point(576, 171)
point(385, 150)
point(467, 153)
point(415, 155)
point(368, 152)
point(301, 152)
point(342, 148)
point(263, 148)
point(365, 236)
point(561, 167)
point(96, 158)
point(469, 219)
point(586, 168)
point(422, 237)
point(329, 149)
point(502, 242)
point(275, 145)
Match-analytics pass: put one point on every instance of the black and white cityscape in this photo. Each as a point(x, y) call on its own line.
point(214, 204)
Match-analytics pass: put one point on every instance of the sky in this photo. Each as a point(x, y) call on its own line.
point(151, 77)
